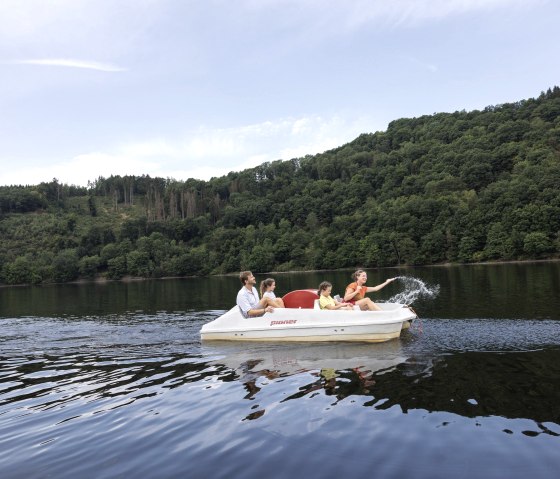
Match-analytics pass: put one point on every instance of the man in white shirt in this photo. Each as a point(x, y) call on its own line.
point(248, 298)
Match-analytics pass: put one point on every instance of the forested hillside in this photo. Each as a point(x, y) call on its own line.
point(449, 187)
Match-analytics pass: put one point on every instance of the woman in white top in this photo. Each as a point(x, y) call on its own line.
point(267, 290)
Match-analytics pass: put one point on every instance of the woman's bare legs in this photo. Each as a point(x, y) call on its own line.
point(367, 304)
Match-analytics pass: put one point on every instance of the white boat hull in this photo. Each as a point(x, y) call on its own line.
point(287, 324)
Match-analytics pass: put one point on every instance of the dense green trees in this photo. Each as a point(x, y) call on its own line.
point(458, 187)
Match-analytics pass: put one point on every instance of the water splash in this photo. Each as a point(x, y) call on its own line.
point(414, 288)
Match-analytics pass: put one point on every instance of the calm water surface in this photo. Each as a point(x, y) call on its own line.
point(112, 380)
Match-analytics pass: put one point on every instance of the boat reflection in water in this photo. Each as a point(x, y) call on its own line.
point(287, 359)
point(339, 369)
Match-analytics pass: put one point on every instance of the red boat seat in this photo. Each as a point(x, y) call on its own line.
point(300, 298)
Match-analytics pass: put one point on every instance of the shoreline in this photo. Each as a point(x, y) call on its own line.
point(131, 279)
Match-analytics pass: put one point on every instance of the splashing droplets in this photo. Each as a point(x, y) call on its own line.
point(414, 288)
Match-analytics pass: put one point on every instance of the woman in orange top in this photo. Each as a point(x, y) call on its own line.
point(356, 291)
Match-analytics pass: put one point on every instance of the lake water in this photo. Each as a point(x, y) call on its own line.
point(112, 380)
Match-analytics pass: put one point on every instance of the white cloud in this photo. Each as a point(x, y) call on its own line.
point(202, 153)
point(108, 21)
point(355, 13)
point(78, 170)
point(61, 62)
point(411, 12)
point(98, 29)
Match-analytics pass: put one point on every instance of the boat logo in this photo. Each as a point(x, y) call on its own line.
point(286, 321)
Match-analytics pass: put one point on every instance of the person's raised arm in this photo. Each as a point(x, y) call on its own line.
point(379, 286)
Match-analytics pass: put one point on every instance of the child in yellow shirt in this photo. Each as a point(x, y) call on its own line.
point(325, 299)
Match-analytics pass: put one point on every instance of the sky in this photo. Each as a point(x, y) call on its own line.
point(199, 88)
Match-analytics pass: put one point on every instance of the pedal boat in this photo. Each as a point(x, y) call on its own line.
point(303, 320)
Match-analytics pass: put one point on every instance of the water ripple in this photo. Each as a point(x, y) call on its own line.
point(142, 395)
